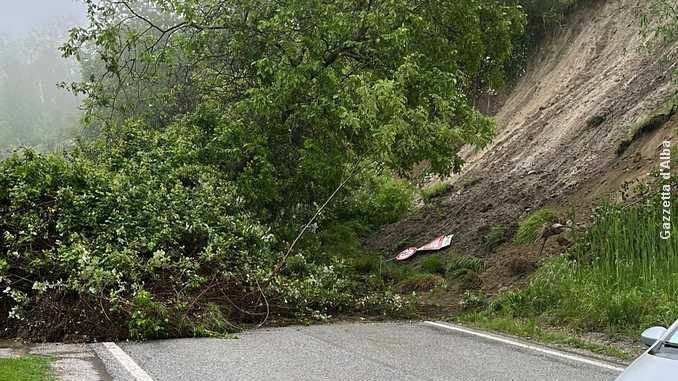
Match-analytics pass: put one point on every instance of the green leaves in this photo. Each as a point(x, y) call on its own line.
point(100, 228)
point(140, 225)
point(384, 80)
point(224, 126)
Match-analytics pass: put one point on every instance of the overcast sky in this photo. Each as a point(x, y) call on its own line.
point(18, 17)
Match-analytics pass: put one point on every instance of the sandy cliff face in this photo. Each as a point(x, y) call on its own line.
point(559, 131)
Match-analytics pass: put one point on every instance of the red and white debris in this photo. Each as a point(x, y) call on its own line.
point(437, 244)
point(407, 253)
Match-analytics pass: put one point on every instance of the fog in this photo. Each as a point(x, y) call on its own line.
point(33, 110)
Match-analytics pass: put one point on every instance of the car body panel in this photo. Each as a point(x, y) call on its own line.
point(649, 367)
point(652, 365)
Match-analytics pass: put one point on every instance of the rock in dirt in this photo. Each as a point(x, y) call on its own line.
point(521, 266)
point(637, 157)
point(563, 242)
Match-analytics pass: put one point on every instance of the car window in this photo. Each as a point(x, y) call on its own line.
point(674, 339)
point(667, 353)
point(669, 349)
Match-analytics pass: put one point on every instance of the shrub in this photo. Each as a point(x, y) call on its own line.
point(461, 265)
point(149, 318)
point(101, 231)
point(342, 238)
point(382, 200)
point(495, 237)
point(329, 290)
point(212, 322)
point(137, 231)
point(396, 272)
point(421, 282)
point(434, 191)
point(297, 266)
point(366, 264)
point(530, 228)
point(433, 264)
point(472, 301)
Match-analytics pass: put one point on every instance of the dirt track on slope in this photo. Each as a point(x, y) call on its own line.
point(558, 133)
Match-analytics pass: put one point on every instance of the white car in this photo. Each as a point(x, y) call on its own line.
point(660, 361)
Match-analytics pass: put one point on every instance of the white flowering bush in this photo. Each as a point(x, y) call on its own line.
point(143, 239)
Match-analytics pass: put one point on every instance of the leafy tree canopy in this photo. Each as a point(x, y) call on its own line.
point(296, 93)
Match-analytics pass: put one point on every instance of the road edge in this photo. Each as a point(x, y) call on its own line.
point(119, 365)
point(524, 345)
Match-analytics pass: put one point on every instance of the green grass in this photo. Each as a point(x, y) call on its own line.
point(435, 191)
point(618, 278)
point(433, 264)
point(531, 226)
point(495, 237)
point(29, 368)
point(530, 329)
point(623, 251)
point(464, 264)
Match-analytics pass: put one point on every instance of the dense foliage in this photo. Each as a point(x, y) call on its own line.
point(147, 233)
point(305, 90)
point(223, 127)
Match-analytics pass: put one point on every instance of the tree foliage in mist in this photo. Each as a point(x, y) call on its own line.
point(33, 110)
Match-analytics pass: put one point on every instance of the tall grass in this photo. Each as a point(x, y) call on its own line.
point(619, 277)
point(622, 250)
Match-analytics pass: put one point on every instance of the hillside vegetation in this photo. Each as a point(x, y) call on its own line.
point(240, 151)
point(239, 154)
point(577, 132)
point(617, 278)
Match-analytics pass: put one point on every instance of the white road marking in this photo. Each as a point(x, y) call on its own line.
point(526, 346)
point(127, 362)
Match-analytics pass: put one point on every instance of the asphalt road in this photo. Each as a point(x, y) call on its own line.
point(375, 351)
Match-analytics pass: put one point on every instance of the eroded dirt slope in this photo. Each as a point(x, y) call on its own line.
point(559, 132)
